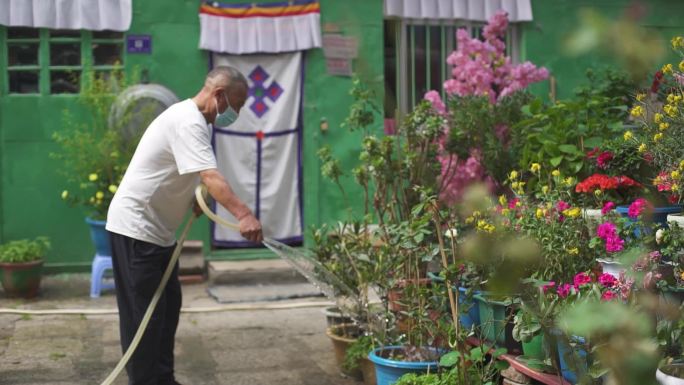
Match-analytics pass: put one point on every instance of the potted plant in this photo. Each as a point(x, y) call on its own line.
point(94, 152)
point(21, 263)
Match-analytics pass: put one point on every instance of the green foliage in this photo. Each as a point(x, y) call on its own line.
point(525, 326)
point(24, 250)
point(446, 378)
point(362, 111)
point(477, 365)
point(93, 155)
point(357, 351)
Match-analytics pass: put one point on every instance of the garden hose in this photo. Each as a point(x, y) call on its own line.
point(200, 193)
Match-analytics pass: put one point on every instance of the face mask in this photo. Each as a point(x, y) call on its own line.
point(225, 119)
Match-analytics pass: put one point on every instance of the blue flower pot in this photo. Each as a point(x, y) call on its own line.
point(468, 309)
point(658, 217)
point(100, 237)
point(573, 360)
point(389, 371)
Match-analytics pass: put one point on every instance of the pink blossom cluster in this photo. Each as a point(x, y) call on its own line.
point(611, 287)
point(637, 208)
point(480, 67)
point(607, 207)
point(608, 232)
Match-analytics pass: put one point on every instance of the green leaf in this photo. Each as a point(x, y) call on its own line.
point(498, 352)
point(568, 148)
point(501, 365)
point(450, 359)
point(556, 161)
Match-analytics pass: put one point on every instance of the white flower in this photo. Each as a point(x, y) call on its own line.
point(451, 233)
point(659, 235)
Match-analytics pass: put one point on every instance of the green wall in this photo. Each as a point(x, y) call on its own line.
point(30, 203)
point(553, 19)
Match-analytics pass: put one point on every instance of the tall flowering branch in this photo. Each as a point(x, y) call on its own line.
point(480, 68)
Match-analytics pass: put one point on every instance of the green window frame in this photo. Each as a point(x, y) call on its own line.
point(100, 51)
point(417, 51)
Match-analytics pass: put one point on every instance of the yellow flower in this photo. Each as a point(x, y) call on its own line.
point(490, 228)
point(502, 200)
point(555, 172)
point(598, 192)
point(476, 214)
point(65, 194)
point(92, 200)
point(670, 98)
point(628, 135)
point(681, 165)
point(513, 175)
point(469, 220)
point(658, 117)
point(675, 187)
point(518, 204)
point(545, 189)
point(642, 147)
point(92, 177)
point(573, 251)
point(535, 167)
point(681, 276)
point(681, 65)
point(664, 126)
point(671, 110)
point(569, 181)
point(99, 195)
point(112, 188)
point(677, 42)
point(667, 68)
point(675, 174)
point(637, 111)
point(657, 136)
point(514, 185)
point(640, 96)
point(573, 212)
point(539, 213)
point(505, 211)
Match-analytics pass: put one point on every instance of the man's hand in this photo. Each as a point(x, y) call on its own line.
point(196, 209)
point(250, 228)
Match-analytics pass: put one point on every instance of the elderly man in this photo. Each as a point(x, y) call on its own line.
point(173, 155)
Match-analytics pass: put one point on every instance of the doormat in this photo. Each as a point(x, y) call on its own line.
point(261, 293)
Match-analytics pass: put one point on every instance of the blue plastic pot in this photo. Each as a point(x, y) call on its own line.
point(388, 371)
point(100, 237)
point(573, 360)
point(468, 309)
point(658, 216)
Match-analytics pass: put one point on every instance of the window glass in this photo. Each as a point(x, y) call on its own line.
point(23, 82)
point(107, 54)
point(65, 54)
point(21, 54)
point(65, 82)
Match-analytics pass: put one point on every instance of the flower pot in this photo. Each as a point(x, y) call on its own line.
point(658, 216)
point(534, 348)
point(468, 308)
point(611, 267)
point(334, 316)
point(496, 322)
point(368, 371)
point(100, 237)
point(671, 374)
point(341, 344)
point(572, 359)
point(21, 279)
point(673, 296)
point(593, 215)
point(675, 220)
point(388, 371)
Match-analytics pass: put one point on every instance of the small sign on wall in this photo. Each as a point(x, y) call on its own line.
point(339, 67)
point(339, 50)
point(139, 44)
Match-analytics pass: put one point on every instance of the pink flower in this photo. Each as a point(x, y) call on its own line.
point(437, 103)
point(513, 202)
point(606, 230)
point(547, 286)
point(603, 159)
point(654, 256)
point(563, 290)
point(581, 279)
point(562, 205)
point(614, 244)
point(637, 207)
point(609, 206)
point(608, 296)
point(607, 280)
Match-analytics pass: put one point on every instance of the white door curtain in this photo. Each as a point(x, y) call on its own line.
point(94, 15)
point(470, 10)
point(260, 27)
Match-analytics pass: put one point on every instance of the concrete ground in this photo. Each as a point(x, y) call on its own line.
point(283, 347)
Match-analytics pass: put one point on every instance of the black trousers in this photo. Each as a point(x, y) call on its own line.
point(138, 269)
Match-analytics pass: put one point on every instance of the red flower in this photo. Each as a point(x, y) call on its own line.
point(593, 152)
point(656, 81)
point(607, 280)
point(608, 296)
point(603, 159)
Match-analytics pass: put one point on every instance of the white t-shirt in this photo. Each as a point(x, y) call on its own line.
point(158, 187)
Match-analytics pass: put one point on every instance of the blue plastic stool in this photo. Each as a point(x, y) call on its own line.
point(100, 264)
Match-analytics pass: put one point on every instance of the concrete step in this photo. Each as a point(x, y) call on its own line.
point(191, 260)
point(253, 272)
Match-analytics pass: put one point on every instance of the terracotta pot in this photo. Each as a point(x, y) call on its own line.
point(368, 370)
point(21, 279)
point(341, 344)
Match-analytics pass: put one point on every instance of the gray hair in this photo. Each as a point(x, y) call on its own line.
point(225, 76)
